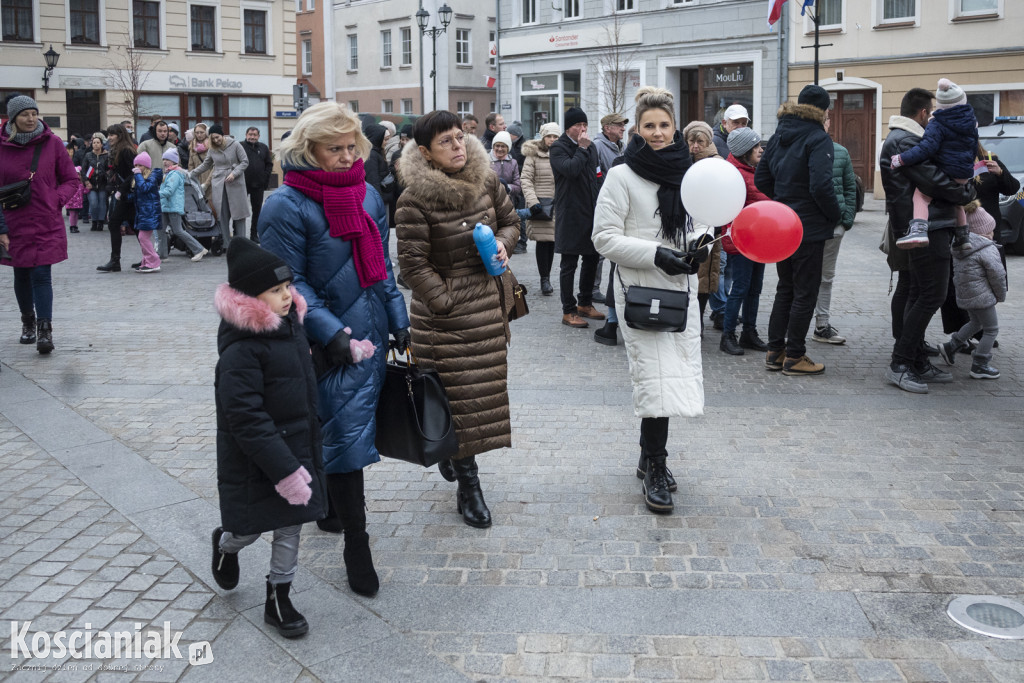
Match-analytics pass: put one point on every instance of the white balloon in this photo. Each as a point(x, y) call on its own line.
point(713, 191)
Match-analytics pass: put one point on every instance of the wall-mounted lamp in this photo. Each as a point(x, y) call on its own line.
point(51, 56)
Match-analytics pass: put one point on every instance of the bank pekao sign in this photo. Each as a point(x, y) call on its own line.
point(204, 82)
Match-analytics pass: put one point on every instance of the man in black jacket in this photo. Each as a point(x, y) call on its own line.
point(575, 165)
point(796, 169)
point(923, 273)
point(257, 175)
point(495, 124)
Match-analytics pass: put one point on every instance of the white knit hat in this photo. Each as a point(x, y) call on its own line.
point(551, 128)
point(502, 138)
point(949, 94)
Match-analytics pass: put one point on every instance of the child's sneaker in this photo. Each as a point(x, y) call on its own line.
point(917, 235)
point(982, 370)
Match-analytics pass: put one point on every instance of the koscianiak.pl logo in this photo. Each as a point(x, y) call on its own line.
point(139, 644)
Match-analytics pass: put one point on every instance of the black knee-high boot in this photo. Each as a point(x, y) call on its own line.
point(471, 503)
point(347, 495)
point(654, 433)
point(331, 523)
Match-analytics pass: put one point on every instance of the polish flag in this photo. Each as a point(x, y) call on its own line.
point(491, 80)
point(775, 9)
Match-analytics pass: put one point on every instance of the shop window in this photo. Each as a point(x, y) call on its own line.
point(307, 57)
point(204, 28)
point(462, 55)
point(353, 52)
point(146, 23)
point(84, 19)
point(407, 105)
point(17, 20)
point(255, 27)
point(385, 49)
point(406, 35)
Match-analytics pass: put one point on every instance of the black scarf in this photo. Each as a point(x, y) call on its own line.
point(666, 168)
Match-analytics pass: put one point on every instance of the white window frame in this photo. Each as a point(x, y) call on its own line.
point(163, 25)
point(310, 5)
point(101, 6)
point(579, 10)
point(387, 106)
point(955, 13)
point(401, 40)
point(352, 41)
point(390, 52)
point(35, 26)
point(461, 111)
point(406, 105)
point(523, 5)
point(626, 10)
point(492, 37)
point(353, 106)
point(878, 19)
point(841, 26)
point(260, 6)
point(468, 46)
point(218, 26)
point(307, 43)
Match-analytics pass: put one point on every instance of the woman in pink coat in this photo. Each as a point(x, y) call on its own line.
point(35, 238)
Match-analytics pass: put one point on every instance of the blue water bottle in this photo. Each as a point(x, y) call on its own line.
point(488, 248)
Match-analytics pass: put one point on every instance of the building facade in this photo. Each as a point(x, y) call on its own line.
point(383, 62)
point(595, 54)
point(187, 61)
point(314, 44)
point(882, 48)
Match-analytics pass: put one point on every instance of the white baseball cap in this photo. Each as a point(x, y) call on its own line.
point(735, 112)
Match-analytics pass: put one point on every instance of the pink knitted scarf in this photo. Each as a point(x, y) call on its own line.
point(341, 193)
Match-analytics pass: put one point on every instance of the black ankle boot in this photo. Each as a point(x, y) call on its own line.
point(44, 336)
point(470, 498)
point(447, 470)
point(347, 493)
point(656, 491)
point(749, 339)
point(607, 335)
point(97, 226)
point(224, 565)
point(641, 466)
point(729, 344)
point(28, 329)
point(111, 266)
point(545, 286)
point(281, 614)
point(331, 523)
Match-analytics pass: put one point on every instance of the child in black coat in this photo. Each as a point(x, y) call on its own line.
point(270, 472)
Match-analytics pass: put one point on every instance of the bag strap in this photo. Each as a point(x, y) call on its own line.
point(618, 271)
point(35, 161)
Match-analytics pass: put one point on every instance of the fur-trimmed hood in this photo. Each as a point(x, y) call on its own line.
point(531, 148)
point(897, 122)
point(803, 111)
point(435, 189)
point(249, 314)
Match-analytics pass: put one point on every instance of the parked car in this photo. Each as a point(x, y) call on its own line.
point(1005, 138)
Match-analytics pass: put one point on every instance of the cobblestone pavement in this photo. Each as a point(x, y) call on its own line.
point(821, 525)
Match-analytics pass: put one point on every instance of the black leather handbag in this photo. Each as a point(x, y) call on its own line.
point(653, 309)
point(414, 420)
point(17, 195)
point(547, 208)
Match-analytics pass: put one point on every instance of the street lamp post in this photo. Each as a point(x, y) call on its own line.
point(444, 12)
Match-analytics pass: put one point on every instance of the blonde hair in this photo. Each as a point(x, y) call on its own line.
point(649, 97)
point(321, 124)
point(972, 206)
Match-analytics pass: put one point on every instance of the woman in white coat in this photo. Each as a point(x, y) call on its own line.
point(640, 224)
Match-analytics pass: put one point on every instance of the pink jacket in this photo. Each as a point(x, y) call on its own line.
point(37, 230)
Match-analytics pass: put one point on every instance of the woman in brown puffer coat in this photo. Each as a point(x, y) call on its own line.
point(538, 181)
point(458, 327)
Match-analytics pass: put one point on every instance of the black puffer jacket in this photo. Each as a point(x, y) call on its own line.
point(376, 165)
point(576, 189)
point(796, 169)
point(267, 425)
point(990, 186)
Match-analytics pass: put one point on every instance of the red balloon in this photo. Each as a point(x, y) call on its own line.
point(767, 232)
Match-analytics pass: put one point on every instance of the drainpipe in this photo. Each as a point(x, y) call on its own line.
point(497, 57)
point(330, 93)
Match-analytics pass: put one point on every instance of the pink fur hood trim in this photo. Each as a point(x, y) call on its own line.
point(249, 313)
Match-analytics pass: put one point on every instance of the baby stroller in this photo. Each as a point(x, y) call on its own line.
point(199, 220)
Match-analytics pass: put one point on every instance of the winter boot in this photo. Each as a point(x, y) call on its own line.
point(641, 466)
point(447, 470)
point(98, 226)
point(657, 480)
point(960, 238)
point(917, 235)
point(28, 329)
point(545, 286)
point(225, 565)
point(347, 491)
point(607, 335)
point(729, 345)
point(111, 266)
point(657, 495)
point(749, 339)
point(281, 614)
point(471, 503)
point(44, 336)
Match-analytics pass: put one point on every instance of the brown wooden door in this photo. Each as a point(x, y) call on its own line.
point(853, 126)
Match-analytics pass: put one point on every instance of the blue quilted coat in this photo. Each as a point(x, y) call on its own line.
point(950, 140)
point(294, 227)
point(147, 200)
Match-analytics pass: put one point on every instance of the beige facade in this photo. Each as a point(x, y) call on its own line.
point(231, 62)
point(874, 59)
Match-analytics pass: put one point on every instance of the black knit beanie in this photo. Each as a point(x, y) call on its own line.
point(216, 129)
point(252, 269)
point(816, 96)
point(574, 115)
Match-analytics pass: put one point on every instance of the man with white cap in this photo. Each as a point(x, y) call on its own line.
point(735, 116)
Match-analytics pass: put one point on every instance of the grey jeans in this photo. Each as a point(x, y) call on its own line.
point(985, 320)
point(828, 275)
point(284, 553)
point(174, 221)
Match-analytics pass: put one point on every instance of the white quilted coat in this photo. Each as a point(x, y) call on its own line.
point(665, 367)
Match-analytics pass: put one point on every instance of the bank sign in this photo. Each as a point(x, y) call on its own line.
point(584, 37)
point(204, 82)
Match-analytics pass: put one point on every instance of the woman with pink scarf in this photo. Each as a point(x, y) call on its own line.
point(331, 228)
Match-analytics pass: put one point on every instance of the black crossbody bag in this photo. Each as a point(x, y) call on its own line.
point(17, 195)
point(653, 309)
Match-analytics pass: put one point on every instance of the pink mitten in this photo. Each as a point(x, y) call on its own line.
point(895, 161)
point(361, 348)
point(295, 487)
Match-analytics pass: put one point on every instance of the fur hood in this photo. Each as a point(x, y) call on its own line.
point(803, 111)
point(249, 313)
point(434, 188)
point(531, 148)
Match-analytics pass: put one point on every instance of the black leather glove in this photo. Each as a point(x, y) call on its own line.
point(536, 210)
point(698, 252)
point(503, 184)
point(338, 350)
point(673, 262)
point(401, 340)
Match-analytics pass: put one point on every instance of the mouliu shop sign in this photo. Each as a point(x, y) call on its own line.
point(582, 38)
